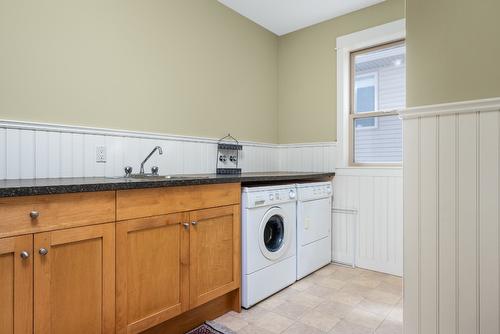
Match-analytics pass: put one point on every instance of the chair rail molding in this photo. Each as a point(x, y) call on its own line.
point(463, 107)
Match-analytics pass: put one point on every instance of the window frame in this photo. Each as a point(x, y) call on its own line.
point(378, 113)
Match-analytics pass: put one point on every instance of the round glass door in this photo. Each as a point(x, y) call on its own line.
point(274, 233)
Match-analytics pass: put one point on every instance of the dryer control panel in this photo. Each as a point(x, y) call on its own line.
point(313, 191)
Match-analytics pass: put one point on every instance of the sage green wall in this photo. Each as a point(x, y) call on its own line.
point(307, 73)
point(190, 67)
point(453, 50)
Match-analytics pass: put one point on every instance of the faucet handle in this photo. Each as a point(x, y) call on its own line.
point(128, 171)
point(154, 170)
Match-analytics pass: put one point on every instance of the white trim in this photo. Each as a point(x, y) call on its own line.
point(345, 45)
point(52, 127)
point(312, 144)
point(23, 125)
point(483, 105)
point(372, 36)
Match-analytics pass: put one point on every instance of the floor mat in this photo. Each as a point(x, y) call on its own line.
point(211, 327)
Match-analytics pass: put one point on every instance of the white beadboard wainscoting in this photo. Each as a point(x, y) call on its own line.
point(368, 218)
point(451, 214)
point(311, 157)
point(34, 150)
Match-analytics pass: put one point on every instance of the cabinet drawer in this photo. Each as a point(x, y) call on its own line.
point(138, 203)
point(32, 214)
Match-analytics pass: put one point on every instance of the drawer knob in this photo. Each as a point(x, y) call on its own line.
point(194, 223)
point(43, 251)
point(186, 225)
point(24, 255)
point(34, 214)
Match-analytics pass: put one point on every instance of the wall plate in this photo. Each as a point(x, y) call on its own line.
point(100, 154)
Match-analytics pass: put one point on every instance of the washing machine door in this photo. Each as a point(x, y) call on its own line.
point(274, 234)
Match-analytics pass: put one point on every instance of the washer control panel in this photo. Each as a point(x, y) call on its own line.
point(269, 197)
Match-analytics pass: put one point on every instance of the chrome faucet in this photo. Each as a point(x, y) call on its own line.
point(160, 152)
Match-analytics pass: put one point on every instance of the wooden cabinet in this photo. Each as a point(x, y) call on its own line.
point(214, 253)
point(170, 264)
point(16, 285)
point(175, 260)
point(69, 279)
point(153, 272)
point(74, 280)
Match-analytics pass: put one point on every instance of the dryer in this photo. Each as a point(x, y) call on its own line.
point(314, 227)
point(268, 241)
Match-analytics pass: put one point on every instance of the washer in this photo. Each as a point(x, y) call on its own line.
point(268, 241)
point(314, 227)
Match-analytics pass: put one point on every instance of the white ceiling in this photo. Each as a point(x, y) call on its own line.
point(284, 16)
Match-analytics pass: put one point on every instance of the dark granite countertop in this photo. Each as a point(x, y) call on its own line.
point(12, 188)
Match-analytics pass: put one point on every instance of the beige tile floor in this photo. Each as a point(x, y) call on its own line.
point(334, 300)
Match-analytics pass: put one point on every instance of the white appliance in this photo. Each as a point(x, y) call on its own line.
point(268, 241)
point(314, 227)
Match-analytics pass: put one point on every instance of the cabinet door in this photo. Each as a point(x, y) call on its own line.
point(16, 285)
point(75, 281)
point(152, 271)
point(214, 253)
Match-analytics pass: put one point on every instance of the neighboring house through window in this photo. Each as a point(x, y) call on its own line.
point(365, 86)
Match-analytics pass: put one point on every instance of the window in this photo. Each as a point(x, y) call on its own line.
point(377, 91)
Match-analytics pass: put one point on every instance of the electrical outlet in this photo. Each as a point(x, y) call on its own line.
point(100, 154)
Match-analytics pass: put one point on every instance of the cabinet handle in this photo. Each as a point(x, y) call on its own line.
point(186, 225)
point(24, 255)
point(34, 214)
point(194, 223)
point(43, 251)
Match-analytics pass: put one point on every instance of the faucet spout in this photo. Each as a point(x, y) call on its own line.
point(160, 152)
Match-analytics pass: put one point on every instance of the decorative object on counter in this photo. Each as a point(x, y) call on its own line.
point(228, 149)
point(128, 171)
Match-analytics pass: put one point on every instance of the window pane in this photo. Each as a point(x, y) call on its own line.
point(365, 99)
point(368, 122)
point(381, 143)
point(379, 79)
point(365, 93)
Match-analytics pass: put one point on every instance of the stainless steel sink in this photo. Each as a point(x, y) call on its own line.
point(148, 176)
